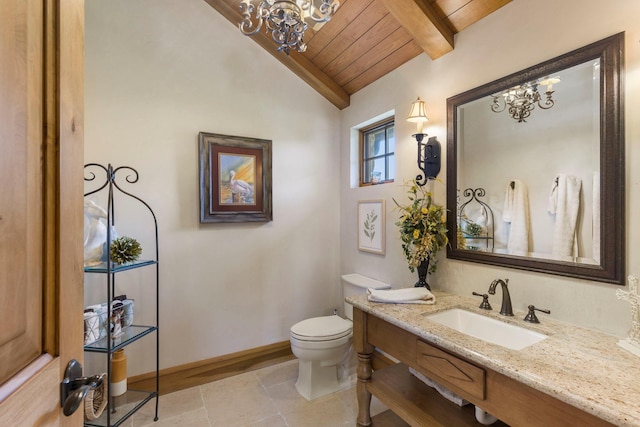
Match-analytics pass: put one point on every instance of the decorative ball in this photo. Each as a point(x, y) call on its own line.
point(124, 249)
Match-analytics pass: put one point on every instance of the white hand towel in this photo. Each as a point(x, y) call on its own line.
point(553, 197)
point(516, 212)
point(596, 217)
point(567, 205)
point(418, 295)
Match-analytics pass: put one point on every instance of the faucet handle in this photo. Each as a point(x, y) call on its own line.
point(531, 316)
point(485, 301)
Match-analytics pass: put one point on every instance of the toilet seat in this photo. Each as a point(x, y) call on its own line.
point(325, 328)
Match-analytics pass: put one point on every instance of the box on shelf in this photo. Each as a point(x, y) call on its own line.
point(95, 320)
point(96, 323)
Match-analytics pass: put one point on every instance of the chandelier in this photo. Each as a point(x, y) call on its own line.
point(285, 19)
point(520, 100)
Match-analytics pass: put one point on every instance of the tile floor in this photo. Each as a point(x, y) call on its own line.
point(262, 398)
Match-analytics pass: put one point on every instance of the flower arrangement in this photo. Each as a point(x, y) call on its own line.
point(423, 229)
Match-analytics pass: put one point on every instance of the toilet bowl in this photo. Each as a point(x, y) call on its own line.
point(323, 345)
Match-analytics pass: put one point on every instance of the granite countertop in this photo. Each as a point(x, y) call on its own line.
point(582, 367)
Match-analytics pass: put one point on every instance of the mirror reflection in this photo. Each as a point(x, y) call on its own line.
point(535, 167)
point(538, 167)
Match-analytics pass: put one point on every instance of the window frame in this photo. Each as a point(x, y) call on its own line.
point(387, 155)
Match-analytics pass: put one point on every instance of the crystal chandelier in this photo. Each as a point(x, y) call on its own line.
point(521, 100)
point(285, 19)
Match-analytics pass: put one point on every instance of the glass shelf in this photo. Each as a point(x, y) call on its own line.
point(125, 405)
point(129, 334)
point(121, 409)
point(102, 267)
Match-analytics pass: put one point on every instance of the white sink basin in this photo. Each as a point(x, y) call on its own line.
point(487, 329)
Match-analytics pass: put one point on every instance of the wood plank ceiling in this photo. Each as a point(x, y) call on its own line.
point(367, 39)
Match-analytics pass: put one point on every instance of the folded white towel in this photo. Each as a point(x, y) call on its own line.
point(445, 392)
point(418, 295)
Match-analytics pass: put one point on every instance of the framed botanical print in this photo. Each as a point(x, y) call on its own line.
point(371, 226)
point(235, 178)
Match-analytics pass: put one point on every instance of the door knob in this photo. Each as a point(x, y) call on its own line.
point(74, 387)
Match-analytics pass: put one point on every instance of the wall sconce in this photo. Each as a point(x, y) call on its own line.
point(429, 152)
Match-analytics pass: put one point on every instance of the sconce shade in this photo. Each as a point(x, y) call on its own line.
point(418, 113)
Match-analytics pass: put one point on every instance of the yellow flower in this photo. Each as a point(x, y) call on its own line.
point(425, 211)
point(416, 234)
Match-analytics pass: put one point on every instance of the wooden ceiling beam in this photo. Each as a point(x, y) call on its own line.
point(424, 24)
point(299, 64)
point(472, 12)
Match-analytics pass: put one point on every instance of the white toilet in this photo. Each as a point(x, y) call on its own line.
point(326, 360)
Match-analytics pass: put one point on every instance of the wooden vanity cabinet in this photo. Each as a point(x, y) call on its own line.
point(512, 402)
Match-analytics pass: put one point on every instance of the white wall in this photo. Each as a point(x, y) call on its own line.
point(521, 34)
point(157, 73)
point(160, 71)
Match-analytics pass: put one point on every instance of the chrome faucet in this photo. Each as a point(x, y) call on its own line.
point(506, 309)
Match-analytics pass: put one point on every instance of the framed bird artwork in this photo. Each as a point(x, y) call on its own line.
point(235, 178)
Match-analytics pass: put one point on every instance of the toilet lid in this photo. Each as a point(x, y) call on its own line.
point(321, 328)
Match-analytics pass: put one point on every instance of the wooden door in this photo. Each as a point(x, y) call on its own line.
point(41, 137)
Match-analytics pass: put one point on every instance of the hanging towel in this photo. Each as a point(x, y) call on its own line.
point(516, 212)
point(595, 220)
point(564, 202)
point(418, 295)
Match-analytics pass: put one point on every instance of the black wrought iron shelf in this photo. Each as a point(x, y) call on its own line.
point(120, 408)
point(116, 268)
point(126, 405)
point(474, 196)
point(129, 335)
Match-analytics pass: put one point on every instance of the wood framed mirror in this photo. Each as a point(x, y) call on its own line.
point(551, 178)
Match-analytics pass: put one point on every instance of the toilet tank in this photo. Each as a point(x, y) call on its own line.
point(357, 284)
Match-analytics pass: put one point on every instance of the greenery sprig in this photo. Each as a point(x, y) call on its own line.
point(370, 225)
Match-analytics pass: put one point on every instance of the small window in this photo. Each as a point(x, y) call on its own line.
point(377, 147)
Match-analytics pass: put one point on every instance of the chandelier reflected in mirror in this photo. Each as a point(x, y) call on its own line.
point(519, 101)
point(285, 19)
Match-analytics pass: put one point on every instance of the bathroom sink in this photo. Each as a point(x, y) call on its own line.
point(487, 329)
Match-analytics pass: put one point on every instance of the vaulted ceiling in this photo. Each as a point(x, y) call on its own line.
point(366, 39)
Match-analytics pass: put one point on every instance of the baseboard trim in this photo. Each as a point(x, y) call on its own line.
point(205, 371)
point(197, 373)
